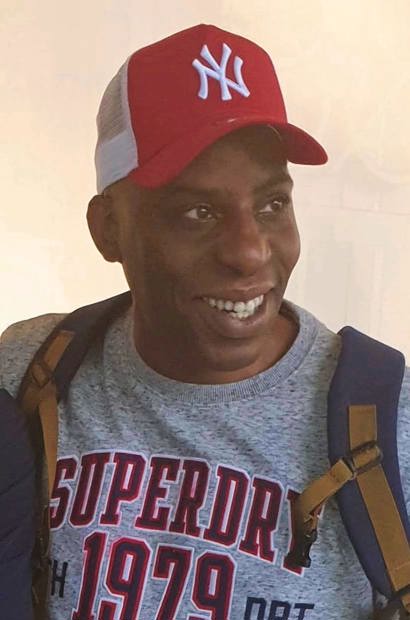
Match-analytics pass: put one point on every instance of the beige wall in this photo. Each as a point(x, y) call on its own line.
point(344, 66)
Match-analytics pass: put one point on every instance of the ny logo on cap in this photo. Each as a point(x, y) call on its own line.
point(218, 72)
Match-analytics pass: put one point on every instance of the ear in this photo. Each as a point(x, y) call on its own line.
point(103, 227)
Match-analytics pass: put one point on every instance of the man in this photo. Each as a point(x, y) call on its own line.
point(197, 418)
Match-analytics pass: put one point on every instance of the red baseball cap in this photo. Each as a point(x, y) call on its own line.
point(172, 99)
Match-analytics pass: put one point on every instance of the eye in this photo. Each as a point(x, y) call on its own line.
point(200, 213)
point(275, 204)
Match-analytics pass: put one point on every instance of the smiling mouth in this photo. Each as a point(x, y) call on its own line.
point(236, 309)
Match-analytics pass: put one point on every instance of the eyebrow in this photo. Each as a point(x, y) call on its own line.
point(276, 179)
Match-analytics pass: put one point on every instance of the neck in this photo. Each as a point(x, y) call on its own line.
point(197, 371)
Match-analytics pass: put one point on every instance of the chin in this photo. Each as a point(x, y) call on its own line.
point(225, 360)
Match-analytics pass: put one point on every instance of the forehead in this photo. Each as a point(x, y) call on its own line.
point(248, 156)
point(245, 160)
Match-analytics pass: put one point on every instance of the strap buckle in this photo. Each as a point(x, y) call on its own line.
point(299, 556)
point(372, 454)
point(400, 595)
point(395, 608)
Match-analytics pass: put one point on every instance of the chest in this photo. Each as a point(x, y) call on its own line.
point(187, 511)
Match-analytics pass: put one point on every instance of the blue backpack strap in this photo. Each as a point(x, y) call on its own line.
point(364, 474)
point(47, 380)
point(85, 324)
point(368, 372)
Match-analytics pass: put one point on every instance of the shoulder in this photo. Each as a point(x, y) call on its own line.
point(404, 408)
point(403, 435)
point(18, 344)
point(405, 391)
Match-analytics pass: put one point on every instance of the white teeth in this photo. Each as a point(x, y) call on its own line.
point(240, 315)
point(239, 306)
point(237, 309)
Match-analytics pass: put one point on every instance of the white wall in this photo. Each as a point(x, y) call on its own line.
point(344, 66)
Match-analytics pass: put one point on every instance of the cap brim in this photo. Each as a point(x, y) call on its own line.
point(299, 148)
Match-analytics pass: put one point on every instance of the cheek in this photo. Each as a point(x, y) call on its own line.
point(291, 242)
point(295, 247)
point(135, 262)
point(287, 247)
point(154, 273)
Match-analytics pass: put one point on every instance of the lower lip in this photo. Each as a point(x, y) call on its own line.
point(230, 327)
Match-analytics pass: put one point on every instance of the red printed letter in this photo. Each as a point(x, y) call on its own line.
point(88, 488)
point(172, 563)
point(152, 516)
point(191, 498)
point(125, 485)
point(228, 506)
point(66, 470)
point(94, 546)
point(262, 519)
point(213, 586)
point(126, 577)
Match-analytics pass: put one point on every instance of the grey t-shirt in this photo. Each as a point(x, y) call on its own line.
point(172, 500)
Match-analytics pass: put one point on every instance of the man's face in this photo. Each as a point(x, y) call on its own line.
point(223, 232)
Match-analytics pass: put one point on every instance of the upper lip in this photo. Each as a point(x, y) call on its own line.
point(240, 294)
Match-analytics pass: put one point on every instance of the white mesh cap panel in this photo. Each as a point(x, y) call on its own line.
point(116, 151)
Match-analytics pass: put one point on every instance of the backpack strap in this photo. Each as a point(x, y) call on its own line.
point(362, 423)
point(45, 383)
point(38, 393)
point(49, 374)
point(85, 324)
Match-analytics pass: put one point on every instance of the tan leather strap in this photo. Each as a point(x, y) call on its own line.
point(308, 505)
point(380, 504)
point(40, 393)
point(41, 369)
point(48, 413)
point(310, 502)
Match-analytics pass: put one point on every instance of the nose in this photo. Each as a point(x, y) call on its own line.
point(244, 247)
